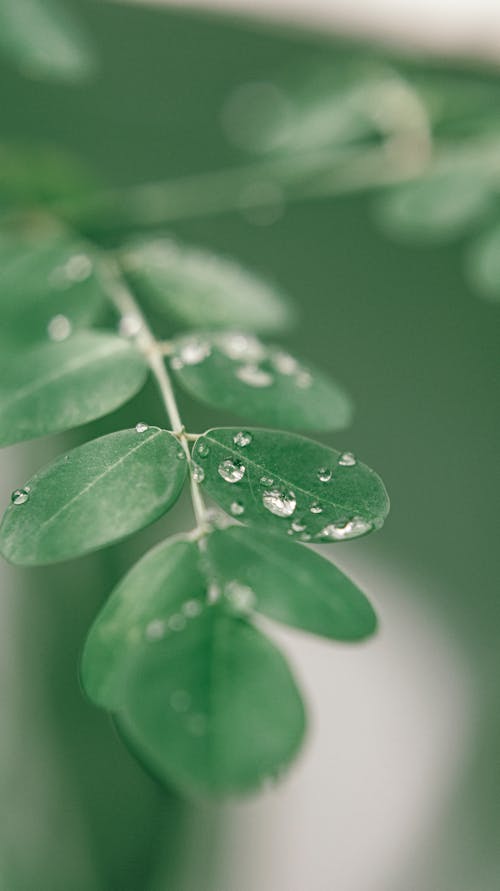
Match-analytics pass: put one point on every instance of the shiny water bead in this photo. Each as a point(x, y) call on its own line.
point(130, 325)
point(298, 526)
point(254, 376)
point(59, 328)
point(266, 481)
point(242, 439)
point(78, 267)
point(347, 459)
point(351, 529)
point(197, 473)
point(241, 597)
point(20, 496)
point(141, 427)
point(194, 351)
point(279, 503)
point(202, 449)
point(155, 630)
point(316, 508)
point(242, 346)
point(237, 508)
point(231, 471)
point(284, 363)
point(324, 474)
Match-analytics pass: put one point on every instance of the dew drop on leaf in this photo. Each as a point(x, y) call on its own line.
point(242, 439)
point(197, 473)
point(155, 630)
point(20, 496)
point(316, 508)
point(281, 504)
point(241, 597)
point(298, 526)
point(231, 471)
point(254, 376)
point(284, 363)
point(202, 450)
point(237, 508)
point(324, 474)
point(59, 328)
point(347, 459)
point(192, 608)
point(130, 325)
point(194, 351)
point(141, 427)
point(352, 529)
point(242, 346)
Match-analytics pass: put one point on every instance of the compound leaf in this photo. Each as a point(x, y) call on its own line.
point(49, 284)
point(214, 708)
point(56, 386)
point(238, 373)
point(44, 40)
point(154, 600)
point(290, 484)
point(200, 289)
point(289, 583)
point(96, 494)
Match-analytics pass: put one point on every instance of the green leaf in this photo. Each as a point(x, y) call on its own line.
point(438, 206)
point(214, 709)
point(200, 289)
point(96, 494)
point(44, 40)
point(289, 583)
point(159, 594)
point(483, 265)
point(47, 276)
point(37, 174)
point(238, 373)
point(290, 484)
point(56, 386)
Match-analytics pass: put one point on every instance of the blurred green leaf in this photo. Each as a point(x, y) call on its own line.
point(46, 274)
point(34, 175)
point(289, 583)
point(238, 373)
point(200, 289)
point(96, 494)
point(290, 484)
point(483, 264)
point(439, 206)
point(213, 708)
point(56, 386)
point(44, 40)
point(166, 584)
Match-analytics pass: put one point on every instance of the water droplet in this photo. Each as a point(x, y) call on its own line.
point(20, 496)
point(242, 438)
point(324, 474)
point(242, 346)
point(194, 351)
point(180, 700)
point(237, 508)
point(304, 380)
point(284, 363)
point(266, 481)
point(177, 622)
point(281, 504)
point(298, 526)
point(347, 459)
point(78, 267)
point(350, 529)
point(155, 630)
point(197, 725)
point(197, 473)
point(59, 328)
point(231, 471)
point(202, 449)
point(316, 508)
point(130, 325)
point(192, 608)
point(180, 454)
point(141, 427)
point(241, 597)
point(254, 376)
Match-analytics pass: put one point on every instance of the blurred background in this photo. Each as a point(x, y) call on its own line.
point(397, 787)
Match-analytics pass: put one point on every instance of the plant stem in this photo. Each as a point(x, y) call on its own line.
point(133, 319)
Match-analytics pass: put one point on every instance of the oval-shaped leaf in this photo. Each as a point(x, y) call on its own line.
point(49, 284)
point(44, 40)
point(237, 372)
point(201, 289)
point(483, 265)
point(164, 590)
point(441, 205)
point(56, 386)
point(214, 709)
point(96, 494)
point(291, 484)
point(289, 583)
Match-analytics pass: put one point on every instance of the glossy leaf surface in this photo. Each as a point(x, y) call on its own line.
point(200, 289)
point(44, 40)
point(290, 484)
point(288, 582)
point(214, 709)
point(167, 584)
point(264, 384)
point(94, 495)
point(46, 274)
point(56, 386)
